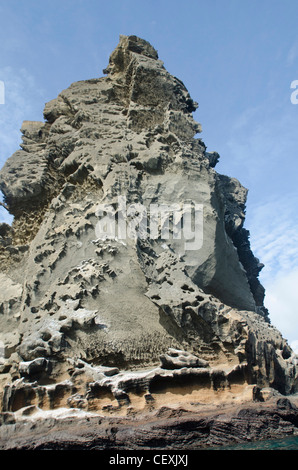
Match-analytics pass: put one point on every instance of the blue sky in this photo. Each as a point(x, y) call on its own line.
point(237, 58)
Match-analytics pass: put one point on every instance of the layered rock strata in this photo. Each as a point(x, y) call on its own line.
point(127, 273)
point(161, 431)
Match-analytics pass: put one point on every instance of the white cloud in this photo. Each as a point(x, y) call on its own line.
point(262, 151)
point(274, 234)
point(274, 239)
point(263, 144)
point(282, 303)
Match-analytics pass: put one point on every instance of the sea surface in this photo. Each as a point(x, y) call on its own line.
point(286, 443)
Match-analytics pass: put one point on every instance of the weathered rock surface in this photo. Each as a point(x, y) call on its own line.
point(163, 430)
point(106, 321)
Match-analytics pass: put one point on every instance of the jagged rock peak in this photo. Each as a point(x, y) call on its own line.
point(95, 315)
point(147, 80)
point(121, 56)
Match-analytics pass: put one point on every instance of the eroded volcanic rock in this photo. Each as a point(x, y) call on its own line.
point(168, 303)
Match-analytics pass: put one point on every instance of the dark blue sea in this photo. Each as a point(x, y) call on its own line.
point(286, 443)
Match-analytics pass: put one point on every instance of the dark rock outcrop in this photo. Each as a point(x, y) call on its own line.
point(162, 431)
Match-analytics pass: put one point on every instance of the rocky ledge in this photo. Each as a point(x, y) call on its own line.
point(204, 427)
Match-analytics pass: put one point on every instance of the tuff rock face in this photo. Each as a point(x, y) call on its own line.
point(108, 321)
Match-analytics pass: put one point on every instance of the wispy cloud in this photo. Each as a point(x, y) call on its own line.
point(263, 141)
point(274, 234)
point(274, 239)
point(281, 301)
point(262, 149)
point(292, 54)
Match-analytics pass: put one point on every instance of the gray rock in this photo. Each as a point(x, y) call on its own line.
point(122, 149)
point(37, 366)
point(176, 359)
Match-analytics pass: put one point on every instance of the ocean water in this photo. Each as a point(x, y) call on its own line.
point(286, 443)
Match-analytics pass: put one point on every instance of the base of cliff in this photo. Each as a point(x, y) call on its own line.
point(169, 428)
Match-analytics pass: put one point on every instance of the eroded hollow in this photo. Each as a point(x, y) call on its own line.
point(183, 384)
point(22, 398)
